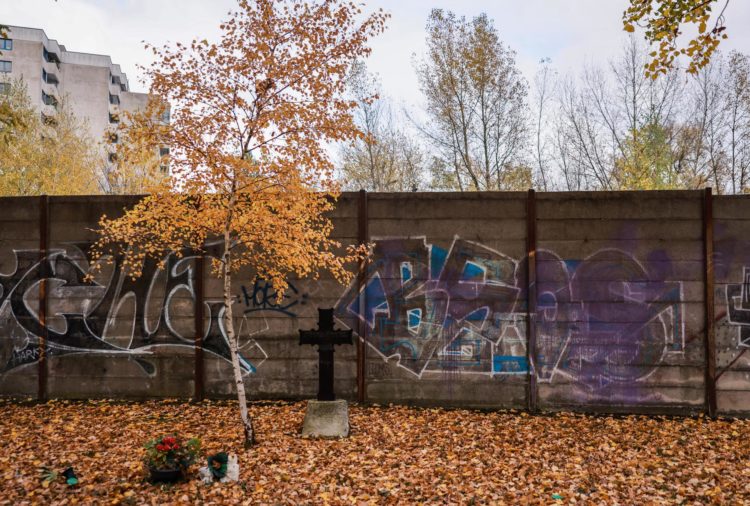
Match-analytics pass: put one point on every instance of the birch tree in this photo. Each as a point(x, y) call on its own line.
point(664, 22)
point(251, 116)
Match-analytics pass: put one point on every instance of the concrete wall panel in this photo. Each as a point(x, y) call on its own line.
point(620, 321)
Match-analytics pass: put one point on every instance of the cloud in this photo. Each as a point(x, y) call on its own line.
point(569, 32)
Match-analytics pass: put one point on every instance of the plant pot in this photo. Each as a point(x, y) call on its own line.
point(165, 475)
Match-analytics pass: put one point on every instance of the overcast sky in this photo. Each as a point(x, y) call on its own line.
point(569, 32)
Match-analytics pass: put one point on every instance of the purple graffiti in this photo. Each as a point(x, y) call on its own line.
point(605, 319)
point(601, 320)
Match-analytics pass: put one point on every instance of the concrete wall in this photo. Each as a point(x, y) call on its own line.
point(732, 302)
point(619, 323)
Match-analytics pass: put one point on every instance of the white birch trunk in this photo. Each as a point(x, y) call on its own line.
point(234, 348)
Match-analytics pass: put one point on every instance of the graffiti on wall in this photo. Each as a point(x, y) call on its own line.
point(605, 319)
point(738, 308)
point(115, 316)
point(600, 320)
point(262, 296)
point(437, 308)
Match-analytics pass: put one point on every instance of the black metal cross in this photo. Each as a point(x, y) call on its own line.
point(325, 338)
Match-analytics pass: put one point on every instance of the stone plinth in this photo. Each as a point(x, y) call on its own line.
point(326, 419)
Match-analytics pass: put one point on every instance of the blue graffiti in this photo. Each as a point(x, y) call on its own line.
point(436, 309)
point(264, 297)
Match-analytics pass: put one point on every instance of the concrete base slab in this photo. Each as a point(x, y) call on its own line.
point(326, 419)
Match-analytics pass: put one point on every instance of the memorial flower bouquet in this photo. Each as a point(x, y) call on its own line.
point(169, 457)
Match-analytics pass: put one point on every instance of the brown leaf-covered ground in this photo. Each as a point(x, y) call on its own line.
point(394, 455)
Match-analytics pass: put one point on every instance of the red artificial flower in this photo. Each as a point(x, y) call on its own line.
point(160, 447)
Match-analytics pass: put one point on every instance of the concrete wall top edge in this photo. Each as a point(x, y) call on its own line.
point(631, 194)
point(446, 195)
point(479, 195)
point(93, 199)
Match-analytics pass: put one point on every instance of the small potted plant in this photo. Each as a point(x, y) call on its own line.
point(168, 458)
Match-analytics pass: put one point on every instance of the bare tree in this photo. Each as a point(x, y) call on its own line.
point(544, 92)
point(475, 104)
point(716, 132)
point(737, 113)
point(602, 112)
point(385, 158)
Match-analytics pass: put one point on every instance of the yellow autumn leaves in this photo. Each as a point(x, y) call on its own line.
point(43, 155)
point(395, 455)
point(55, 155)
point(664, 22)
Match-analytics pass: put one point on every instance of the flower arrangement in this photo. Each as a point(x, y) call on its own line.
point(168, 458)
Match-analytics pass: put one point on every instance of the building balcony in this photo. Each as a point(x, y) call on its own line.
point(51, 55)
point(51, 89)
point(114, 110)
point(111, 138)
point(50, 67)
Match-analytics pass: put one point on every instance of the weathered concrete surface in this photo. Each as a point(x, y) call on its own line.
point(443, 313)
point(326, 419)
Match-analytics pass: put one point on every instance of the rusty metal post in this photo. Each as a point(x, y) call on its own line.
point(531, 399)
point(43, 275)
point(710, 337)
point(199, 326)
point(363, 236)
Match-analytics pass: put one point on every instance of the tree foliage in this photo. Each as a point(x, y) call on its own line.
point(664, 22)
point(251, 117)
point(647, 161)
point(600, 113)
point(609, 126)
point(43, 154)
point(137, 164)
point(475, 103)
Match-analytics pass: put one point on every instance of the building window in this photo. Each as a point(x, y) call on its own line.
point(163, 151)
point(49, 78)
point(112, 157)
point(6, 66)
point(6, 44)
point(113, 137)
point(114, 99)
point(4, 88)
point(49, 99)
point(114, 118)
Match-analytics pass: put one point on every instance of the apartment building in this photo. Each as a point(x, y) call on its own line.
point(97, 89)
